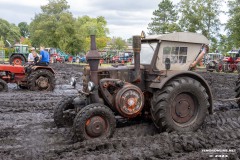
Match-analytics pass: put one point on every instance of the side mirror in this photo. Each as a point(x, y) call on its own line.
point(167, 63)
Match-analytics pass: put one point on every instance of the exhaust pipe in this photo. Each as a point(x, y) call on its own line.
point(93, 57)
point(136, 49)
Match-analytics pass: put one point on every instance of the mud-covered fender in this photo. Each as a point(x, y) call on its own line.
point(43, 67)
point(173, 75)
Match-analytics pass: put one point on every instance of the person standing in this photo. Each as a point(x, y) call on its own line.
point(30, 55)
point(43, 58)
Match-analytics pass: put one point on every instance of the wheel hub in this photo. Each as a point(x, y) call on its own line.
point(183, 108)
point(42, 82)
point(96, 126)
point(17, 61)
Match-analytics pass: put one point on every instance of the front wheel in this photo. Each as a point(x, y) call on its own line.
point(182, 105)
point(62, 113)
point(94, 121)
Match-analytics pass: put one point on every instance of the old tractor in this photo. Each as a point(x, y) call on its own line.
point(231, 63)
point(159, 85)
point(19, 55)
point(35, 78)
point(213, 62)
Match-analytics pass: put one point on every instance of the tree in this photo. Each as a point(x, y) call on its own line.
point(200, 16)
point(54, 26)
point(9, 32)
point(85, 25)
point(118, 44)
point(23, 26)
point(233, 24)
point(164, 19)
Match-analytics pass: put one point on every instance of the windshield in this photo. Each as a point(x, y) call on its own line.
point(147, 51)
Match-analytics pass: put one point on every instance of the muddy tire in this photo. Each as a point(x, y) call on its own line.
point(238, 67)
point(62, 119)
point(225, 67)
point(94, 121)
point(22, 87)
point(218, 67)
point(3, 86)
point(181, 105)
point(41, 80)
point(17, 60)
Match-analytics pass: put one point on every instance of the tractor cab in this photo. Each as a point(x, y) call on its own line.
point(20, 54)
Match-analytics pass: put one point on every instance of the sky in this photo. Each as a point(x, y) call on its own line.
point(124, 17)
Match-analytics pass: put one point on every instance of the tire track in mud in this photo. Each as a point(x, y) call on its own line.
point(218, 130)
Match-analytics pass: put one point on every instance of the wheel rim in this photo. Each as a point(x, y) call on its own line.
point(17, 61)
point(42, 82)
point(183, 108)
point(96, 126)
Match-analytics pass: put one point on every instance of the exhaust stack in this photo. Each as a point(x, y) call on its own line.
point(136, 49)
point(93, 58)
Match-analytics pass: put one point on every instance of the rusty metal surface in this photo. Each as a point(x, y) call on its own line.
point(183, 108)
point(96, 126)
point(136, 49)
point(129, 101)
point(122, 97)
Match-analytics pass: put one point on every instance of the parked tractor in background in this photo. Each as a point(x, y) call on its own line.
point(35, 78)
point(19, 55)
point(159, 85)
point(232, 62)
point(213, 62)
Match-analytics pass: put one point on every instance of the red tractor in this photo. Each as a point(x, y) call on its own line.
point(231, 63)
point(31, 77)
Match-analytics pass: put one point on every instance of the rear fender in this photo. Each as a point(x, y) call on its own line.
point(43, 67)
point(191, 75)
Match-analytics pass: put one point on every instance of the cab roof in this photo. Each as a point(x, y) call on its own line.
point(187, 37)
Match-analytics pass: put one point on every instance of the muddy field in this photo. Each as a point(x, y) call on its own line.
point(27, 130)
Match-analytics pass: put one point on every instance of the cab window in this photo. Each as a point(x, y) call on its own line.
point(176, 54)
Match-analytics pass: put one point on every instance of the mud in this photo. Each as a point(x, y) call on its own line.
point(27, 130)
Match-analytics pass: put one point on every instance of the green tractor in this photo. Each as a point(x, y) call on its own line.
point(19, 55)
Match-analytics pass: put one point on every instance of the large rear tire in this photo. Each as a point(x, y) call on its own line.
point(41, 80)
point(181, 105)
point(3, 86)
point(94, 121)
point(17, 60)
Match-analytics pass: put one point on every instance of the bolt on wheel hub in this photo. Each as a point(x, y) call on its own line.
point(183, 108)
point(42, 82)
point(96, 126)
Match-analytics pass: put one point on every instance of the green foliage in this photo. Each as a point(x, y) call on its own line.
point(233, 24)
point(200, 16)
point(118, 44)
point(85, 26)
point(56, 27)
point(9, 32)
point(23, 26)
point(164, 19)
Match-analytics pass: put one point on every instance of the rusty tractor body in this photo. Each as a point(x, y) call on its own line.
point(27, 77)
point(159, 85)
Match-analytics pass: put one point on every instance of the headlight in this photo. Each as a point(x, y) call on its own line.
point(73, 82)
point(91, 86)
